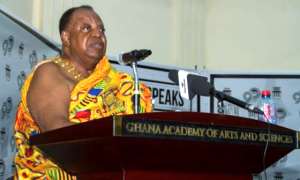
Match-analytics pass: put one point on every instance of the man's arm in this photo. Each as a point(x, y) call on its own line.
point(48, 98)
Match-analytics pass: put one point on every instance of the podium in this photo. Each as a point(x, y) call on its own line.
point(167, 145)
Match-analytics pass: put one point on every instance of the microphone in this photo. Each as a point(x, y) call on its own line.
point(134, 56)
point(173, 76)
point(196, 84)
point(222, 96)
point(190, 83)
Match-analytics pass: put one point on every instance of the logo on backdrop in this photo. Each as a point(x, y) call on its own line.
point(20, 79)
point(2, 167)
point(227, 108)
point(9, 105)
point(21, 50)
point(7, 72)
point(6, 108)
point(252, 97)
point(7, 45)
point(3, 109)
point(296, 97)
point(33, 59)
point(281, 111)
point(12, 143)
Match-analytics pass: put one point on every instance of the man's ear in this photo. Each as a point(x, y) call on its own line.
point(65, 38)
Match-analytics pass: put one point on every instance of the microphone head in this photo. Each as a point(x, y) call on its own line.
point(133, 56)
point(141, 54)
point(173, 76)
point(199, 84)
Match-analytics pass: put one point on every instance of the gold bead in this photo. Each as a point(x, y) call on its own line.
point(68, 67)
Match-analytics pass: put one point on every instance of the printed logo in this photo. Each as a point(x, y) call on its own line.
point(13, 144)
point(276, 92)
point(9, 105)
point(20, 79)
point(33, 59)
point(7, 72)
point(21, 50)
point(7, 45)
point(2, 168)
point(252, 96)
point(296, 97)
point(6, 108)
point(3, 110)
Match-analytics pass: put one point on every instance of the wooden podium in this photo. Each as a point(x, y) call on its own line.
point(177, 145)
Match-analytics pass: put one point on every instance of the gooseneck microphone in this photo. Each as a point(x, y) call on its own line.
point(222, 96)
point(134, 56)
point(131, 58)
point(198, 84)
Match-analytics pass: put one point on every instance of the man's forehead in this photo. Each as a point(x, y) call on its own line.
point(84, 16)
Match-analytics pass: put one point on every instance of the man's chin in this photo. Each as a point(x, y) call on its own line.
point(96, 56)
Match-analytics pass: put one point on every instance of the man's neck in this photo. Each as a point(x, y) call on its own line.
point(81, 65)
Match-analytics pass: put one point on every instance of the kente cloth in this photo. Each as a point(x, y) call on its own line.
point(105, 92)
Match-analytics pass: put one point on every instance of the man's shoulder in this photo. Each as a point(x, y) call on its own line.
point(48, 78)
point(48, 71)
point(47, 68)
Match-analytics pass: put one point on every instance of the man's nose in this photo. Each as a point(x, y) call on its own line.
point(97, 33)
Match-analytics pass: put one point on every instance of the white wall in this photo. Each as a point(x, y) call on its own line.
point(22, 8)
point(253, 35)
point(228, 35)
point(172, 29)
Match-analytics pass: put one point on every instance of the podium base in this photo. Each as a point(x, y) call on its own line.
point(151, 175)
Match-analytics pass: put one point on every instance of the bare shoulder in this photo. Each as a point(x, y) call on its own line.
point(48, 71)
point(48, 97)
point(48, 82)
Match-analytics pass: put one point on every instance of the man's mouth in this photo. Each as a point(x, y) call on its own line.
point(97, 45)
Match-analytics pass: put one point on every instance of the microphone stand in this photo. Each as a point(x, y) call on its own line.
point(136, 91)
point(222, 96)
point(220, 105)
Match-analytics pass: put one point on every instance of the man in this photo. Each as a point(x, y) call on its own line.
point(76, 87)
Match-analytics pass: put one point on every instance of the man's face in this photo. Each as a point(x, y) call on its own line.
point(86, 36)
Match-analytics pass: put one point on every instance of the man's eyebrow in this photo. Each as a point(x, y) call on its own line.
point(84, 24)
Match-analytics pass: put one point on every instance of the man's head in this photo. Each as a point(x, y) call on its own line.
point(82, 35)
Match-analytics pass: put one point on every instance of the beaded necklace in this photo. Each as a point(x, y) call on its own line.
point(69, 68)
